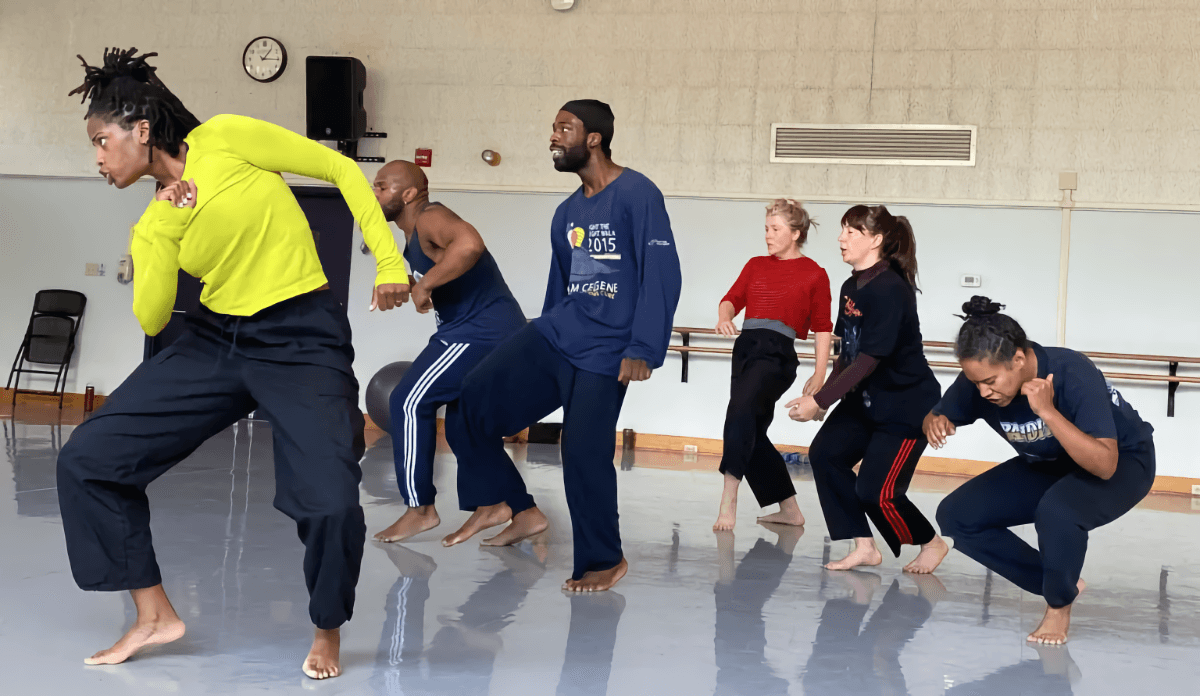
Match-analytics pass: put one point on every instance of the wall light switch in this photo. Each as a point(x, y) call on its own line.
point(971, 281)
point(91, 269)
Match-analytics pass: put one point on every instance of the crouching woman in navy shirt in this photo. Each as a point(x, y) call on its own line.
point(1084, 458)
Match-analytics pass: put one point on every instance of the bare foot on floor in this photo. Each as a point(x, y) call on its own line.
point(1056, 624)
point(598, 580)
point(727, 515)
point(142, 634)
point(483, 518)
point(526, 524)
point(323, 661)
point(864, 554)
point(411, 523)
point(792, 517)
point(930, 557)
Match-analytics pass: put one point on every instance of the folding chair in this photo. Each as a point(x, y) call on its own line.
point(49, 340)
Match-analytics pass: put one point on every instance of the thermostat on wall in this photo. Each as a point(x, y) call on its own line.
point(971, 281)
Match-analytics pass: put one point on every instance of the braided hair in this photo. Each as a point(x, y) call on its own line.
point(986, 334)
point(899, 246)
point(125, 90)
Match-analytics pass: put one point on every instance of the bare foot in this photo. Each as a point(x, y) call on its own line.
point(788, 514)
point(411, 523)
point(525, 524)
point(781, 517)
point(864, 554)
point(483, 518)
point(157, 623)
point(323, 661)
point(930, 558)
point(1056, 623)
point(138, 637)
point(598, 580)
point(727, 515)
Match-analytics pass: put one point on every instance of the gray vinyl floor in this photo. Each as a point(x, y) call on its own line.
point(748, 613)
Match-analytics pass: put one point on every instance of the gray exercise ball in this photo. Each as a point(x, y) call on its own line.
point(379, 393)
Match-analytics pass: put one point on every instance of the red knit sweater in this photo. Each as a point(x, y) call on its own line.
point(795, 292)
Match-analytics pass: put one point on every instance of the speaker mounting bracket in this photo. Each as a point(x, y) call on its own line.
point(349, 148)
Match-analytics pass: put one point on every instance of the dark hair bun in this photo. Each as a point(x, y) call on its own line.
point(981, 306)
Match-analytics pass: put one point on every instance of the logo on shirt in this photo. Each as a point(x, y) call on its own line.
point(1026, 433)
point(658, 242)
point(851, 310)
point(588, 247)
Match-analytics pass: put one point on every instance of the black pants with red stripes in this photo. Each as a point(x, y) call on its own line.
point(879, 490)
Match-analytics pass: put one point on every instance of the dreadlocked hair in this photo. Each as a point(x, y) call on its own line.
point(899, 246)
point(986, 334)
point(125, 90)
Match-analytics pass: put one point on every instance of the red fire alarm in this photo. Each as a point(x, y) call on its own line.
point(424, 157)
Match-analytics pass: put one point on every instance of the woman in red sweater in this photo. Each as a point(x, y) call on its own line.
point(785, 295)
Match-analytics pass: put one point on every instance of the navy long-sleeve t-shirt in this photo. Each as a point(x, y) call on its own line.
point(614, 277)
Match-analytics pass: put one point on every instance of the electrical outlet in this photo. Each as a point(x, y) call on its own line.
point(971, 281)
point(91, 269)
point(689, 458)
point(692, 449)
point(1195, 504)
point(1196, 490)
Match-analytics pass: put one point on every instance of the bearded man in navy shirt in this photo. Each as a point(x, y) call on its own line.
point(614, 285)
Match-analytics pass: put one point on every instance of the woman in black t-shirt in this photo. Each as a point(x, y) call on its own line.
point(1085, 457)
point(885, 386)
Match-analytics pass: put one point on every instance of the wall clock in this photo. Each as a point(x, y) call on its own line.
point(264, 59)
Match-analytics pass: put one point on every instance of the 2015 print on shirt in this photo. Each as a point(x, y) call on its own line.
point(588, 248)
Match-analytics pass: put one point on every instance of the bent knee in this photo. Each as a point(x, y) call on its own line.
point(953, 516)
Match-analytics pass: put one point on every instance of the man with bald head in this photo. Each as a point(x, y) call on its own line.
point(456, 276)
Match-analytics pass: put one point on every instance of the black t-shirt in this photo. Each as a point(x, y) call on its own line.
point(880, 320)
point(1081, 393)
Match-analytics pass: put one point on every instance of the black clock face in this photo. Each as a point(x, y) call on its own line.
point(264, 59)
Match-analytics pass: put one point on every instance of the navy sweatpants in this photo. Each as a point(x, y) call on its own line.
point(1063, 502)
point(520, 382)
point(435, 379)
point(292, 360)
point(879, 491)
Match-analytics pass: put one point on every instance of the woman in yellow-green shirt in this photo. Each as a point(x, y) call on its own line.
point(269, 335)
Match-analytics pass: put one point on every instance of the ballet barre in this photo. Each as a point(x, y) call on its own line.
point(1173, 379)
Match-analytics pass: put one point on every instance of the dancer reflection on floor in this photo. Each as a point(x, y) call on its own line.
point(851, 659)
point(741, 595)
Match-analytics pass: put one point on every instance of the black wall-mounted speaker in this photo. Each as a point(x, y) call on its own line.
point(334, 97)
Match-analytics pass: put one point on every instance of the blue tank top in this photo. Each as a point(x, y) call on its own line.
point(476, 307)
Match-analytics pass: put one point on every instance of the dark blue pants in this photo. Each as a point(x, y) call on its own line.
point(1063, 502)
point(291, 360)
point(880, 489)
point(522, 381)
point(435, 379)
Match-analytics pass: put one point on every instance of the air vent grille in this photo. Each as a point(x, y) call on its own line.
point(873, 144)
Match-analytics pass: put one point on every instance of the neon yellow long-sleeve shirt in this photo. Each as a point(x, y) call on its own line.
point(247, 237)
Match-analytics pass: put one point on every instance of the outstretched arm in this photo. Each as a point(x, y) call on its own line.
point(277, 149)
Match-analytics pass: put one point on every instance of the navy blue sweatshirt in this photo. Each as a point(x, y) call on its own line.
point(614, 277)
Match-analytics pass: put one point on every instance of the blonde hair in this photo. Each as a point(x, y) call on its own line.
point(793, 213)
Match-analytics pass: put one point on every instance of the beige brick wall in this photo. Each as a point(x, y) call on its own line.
point(1109, 88)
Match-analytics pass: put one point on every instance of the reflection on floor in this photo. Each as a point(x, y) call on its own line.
point(749, 612)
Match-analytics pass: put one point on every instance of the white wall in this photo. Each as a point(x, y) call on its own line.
point(1105, 88)
point(52, 227)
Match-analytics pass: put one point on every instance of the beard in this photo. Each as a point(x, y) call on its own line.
point(573, 159)
point(392, 212)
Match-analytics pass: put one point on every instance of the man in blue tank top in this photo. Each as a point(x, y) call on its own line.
point(456, 277)
point(614, 285)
